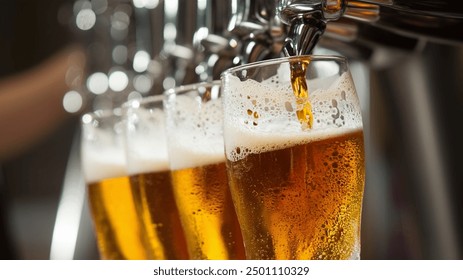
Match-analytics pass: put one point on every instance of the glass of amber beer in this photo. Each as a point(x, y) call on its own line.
point(197, 160)
point(110, 197)
point(149, 173)
point(295, 157)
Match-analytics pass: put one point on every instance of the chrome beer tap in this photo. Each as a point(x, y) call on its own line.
point(214, 50)
point(241, 32)
point(257, 29)
point(436, 20)
point(307, 22)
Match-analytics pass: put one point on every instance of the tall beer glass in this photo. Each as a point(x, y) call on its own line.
point(149, 172)
point(196, 150)
point(110, 198)
point(295, 161)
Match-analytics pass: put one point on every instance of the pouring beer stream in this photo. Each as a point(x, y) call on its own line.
point(307, 22)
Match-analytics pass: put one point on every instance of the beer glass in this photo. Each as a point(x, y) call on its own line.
point(110, 198)
point(149, 173)
point(295, 157)
point(197, 160)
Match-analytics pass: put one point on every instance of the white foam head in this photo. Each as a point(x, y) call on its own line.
point(187, 156)
point(102, 148)
point(102, 164)
point(195, 132)
point(260, 116)
point(146, 141)
point(146, 159)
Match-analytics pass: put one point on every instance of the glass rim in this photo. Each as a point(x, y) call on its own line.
point(191, 87)
point(138, 102)
point(279, 60)
point(101, 114)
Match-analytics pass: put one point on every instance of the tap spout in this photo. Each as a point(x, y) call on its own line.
point(307, 22)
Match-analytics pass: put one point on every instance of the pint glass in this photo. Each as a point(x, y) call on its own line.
point(149, 173)
point(295, 161)
point(197, 160)
point(110, 198)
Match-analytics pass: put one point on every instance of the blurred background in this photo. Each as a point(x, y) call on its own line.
point(62, 58)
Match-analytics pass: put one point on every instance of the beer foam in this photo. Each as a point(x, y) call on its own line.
point(195, 132)
point(148, 161)
point(99, 165)
point(183, 155)
point(146, 141)
point(263, 117)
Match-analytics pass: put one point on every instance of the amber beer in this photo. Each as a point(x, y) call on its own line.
point(207, 212)
point(148, 165)
point(117, 227)
point(199, 175)
point(156, 206)
point(303, 201)
point(113, 212)
point(297, 189)
point(116, 224)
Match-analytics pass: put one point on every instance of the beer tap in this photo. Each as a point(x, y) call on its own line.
point(436, 20)
point(257, 29)
point(215, 51)
point(308, 20)
point(177, 56)
point(241, 32)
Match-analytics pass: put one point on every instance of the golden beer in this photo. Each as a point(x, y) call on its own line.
point(156, 206)
point(115, 220)
point(295, 160)
point(148, 167)
point(194, 119)
point(207, 212)
point(301, 202)
point(116, 223)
